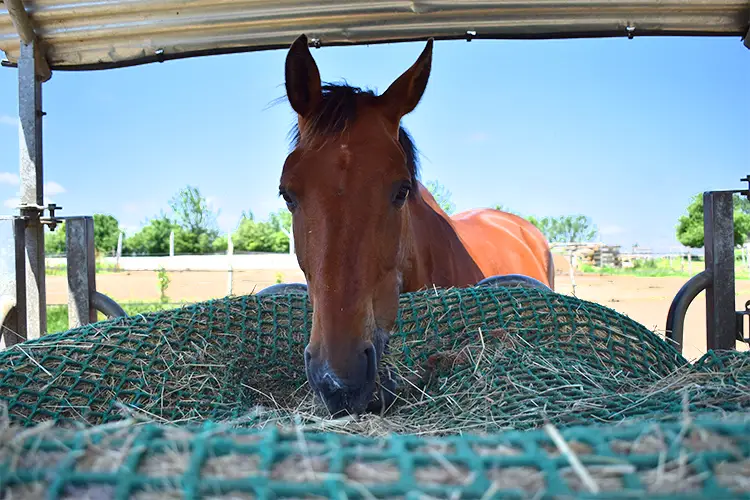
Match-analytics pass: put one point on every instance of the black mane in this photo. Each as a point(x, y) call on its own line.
point(339, 109)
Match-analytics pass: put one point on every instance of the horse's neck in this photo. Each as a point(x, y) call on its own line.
point(435, 254)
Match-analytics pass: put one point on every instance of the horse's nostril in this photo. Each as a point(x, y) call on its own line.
point(372, 361)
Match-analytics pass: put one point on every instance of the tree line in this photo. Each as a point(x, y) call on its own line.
point(560, 229)
point(196, 231)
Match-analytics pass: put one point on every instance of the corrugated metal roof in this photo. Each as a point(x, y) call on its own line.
point(94, 34)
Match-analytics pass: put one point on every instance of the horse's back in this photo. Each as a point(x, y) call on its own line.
point(504, 243)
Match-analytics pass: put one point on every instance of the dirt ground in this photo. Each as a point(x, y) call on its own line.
point(645, 300)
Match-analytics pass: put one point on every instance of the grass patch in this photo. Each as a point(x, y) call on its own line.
point(57, 315)
point(660, 268)
point(62, 269)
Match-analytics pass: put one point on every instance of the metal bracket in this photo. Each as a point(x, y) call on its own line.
point(51, 221)
point(724, 325)
point(83, 298)
point(741, 323)
point(25, 29)
point(681, 303)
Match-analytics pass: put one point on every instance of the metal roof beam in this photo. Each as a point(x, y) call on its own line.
point(25, 29)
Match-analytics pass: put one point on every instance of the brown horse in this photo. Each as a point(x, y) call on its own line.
point(366, 230)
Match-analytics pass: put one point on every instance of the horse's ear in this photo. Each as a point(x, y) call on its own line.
point(303, 88)
point(404, 94)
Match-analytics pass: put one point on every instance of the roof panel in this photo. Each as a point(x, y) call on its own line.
point(108, 33)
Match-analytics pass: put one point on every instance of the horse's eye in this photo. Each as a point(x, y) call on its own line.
point(401, 194)
point(291, 203)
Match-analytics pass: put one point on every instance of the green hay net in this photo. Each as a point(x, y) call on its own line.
point(221, 388)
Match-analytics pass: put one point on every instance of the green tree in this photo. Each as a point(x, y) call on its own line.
point(197, 220)
point(191, 211)
point(54, 241)
point(281, 219)
point(257, 236)
point(690, 226)
point(742, 203)
point(442, 196)
point(220, 244)
point(153, 238)
point(503, 208)
point(106, 233)
point(565, 228)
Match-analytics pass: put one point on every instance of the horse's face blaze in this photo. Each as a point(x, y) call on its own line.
point(348, 184)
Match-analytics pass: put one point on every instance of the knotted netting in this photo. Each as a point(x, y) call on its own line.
point(210, 401)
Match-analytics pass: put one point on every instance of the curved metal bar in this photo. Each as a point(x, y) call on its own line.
point(281, 288)
point(7, 303)
point(106, 305)
point(509, 280)
point(7, 307)
point(681, 303)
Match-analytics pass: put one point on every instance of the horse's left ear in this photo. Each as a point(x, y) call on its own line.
point(404, 94)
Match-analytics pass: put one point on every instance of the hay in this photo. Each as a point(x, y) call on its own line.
point(212, 400)
point(459, 391)
point(221, 359)
point(153, 460)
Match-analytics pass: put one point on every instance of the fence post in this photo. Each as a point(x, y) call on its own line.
point(290, 235)
point(230, 252)
point(118, 253)
point(81, 260)
point(572, 270)
point(32, 192)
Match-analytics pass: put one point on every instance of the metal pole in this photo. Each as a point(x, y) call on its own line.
point(679, 307)
point(32, 193)
point(14, 330)
point(81, 257)
point(25, 29)
point(106, 305)
point(118, 252)
point(230, 252)
point(290, 235)
point(721, 322)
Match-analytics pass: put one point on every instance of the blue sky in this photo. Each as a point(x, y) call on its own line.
point(624, 131)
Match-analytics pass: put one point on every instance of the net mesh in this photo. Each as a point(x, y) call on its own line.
point(702, 459)
point(495, 363)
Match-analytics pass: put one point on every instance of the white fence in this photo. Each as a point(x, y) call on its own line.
point(252, 261)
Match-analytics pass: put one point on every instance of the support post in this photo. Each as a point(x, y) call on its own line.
point(32, 193)
point(14, 329)
point(80, 251)
point(25, 29)
point(118, 252)
point(290, 235)
point(230, 273)
point(718, 211)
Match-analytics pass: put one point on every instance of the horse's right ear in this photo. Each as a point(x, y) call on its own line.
point(303, 87)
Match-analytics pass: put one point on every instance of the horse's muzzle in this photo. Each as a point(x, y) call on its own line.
point(349, 395)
